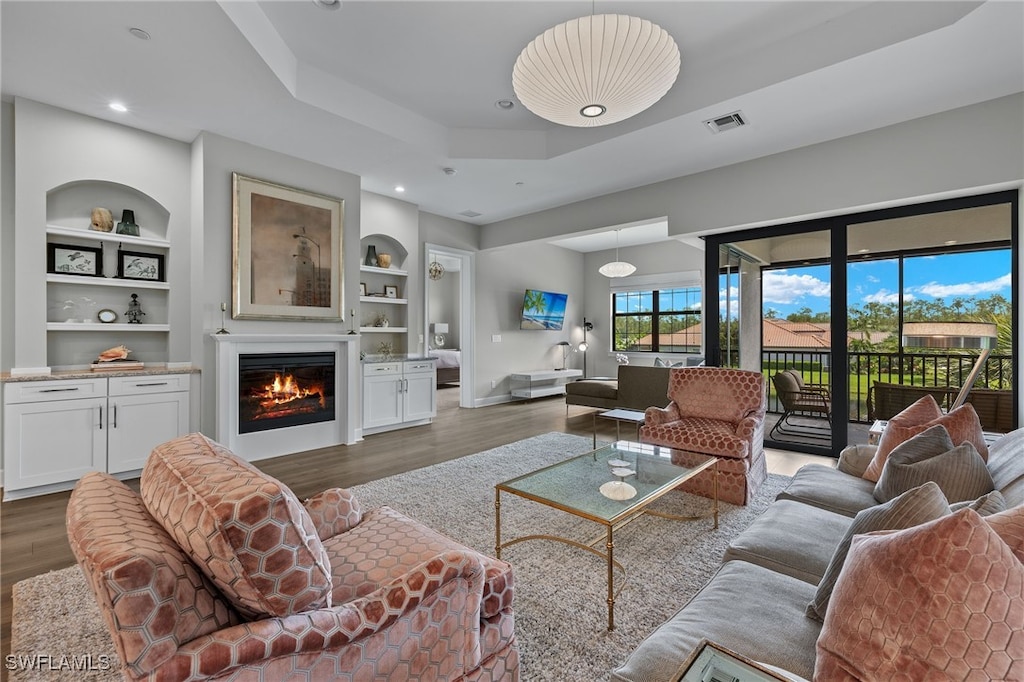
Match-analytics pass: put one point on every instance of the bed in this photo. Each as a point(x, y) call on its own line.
point(449, 362)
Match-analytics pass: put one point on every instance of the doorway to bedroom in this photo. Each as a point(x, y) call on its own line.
point(448, 323)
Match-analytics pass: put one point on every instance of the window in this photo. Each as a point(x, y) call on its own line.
point(657, 320)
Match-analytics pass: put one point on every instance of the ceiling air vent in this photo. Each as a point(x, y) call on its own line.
point(471, 214)
point(728, 122)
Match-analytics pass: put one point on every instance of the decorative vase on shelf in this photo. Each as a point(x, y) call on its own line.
point(384, 260)
point(127, 225)
point(371, 255)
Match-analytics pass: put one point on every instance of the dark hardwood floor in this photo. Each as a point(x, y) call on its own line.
point(33, 540)
point(32, 533)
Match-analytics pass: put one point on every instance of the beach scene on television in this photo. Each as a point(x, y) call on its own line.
point(543, 310)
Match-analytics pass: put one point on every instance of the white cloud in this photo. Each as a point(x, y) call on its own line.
point(882, 296)
point(778, 286)
point(965, 288)
point(873, 279)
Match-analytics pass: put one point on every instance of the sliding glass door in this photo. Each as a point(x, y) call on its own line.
point(869, 311)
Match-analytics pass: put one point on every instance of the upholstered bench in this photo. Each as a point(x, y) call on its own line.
point(636, 388)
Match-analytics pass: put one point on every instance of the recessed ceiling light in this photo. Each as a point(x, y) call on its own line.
point(117, 106)
point(399, 189)
point(139, 33)
point(327, 4)
point(504, 104)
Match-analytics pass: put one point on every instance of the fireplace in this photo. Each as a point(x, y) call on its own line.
point(284, 389)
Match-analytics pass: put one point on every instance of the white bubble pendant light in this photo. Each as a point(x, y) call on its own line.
point(596, 70)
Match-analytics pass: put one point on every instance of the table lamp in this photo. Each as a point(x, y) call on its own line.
point(565, 345)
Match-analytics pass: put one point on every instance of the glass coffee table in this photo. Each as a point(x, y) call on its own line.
point(611, 486)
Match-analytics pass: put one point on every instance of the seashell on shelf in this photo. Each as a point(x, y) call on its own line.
point(115, 353)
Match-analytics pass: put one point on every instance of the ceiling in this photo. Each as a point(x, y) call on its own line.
point(396, 92)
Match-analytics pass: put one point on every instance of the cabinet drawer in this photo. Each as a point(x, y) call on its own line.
point(159, 383)
point(382, 368)
point(419, 367)
point(60, 389)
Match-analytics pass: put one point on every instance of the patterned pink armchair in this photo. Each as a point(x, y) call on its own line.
point(716, 411)
point(216, 571)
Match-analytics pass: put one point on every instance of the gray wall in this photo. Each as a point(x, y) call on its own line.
point(214, 159)
point(502, 277)
point(6, 233)
point(54, 147)
point(649, 259)
point(954, 152)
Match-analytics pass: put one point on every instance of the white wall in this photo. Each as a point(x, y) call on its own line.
point(400, 221)
point(502, 278)
point(946, 154)
point(54, 147)
point(214, 159)
point(650, 259)
point(6, 232)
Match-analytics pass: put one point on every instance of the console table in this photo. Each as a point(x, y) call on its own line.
point(541, 382)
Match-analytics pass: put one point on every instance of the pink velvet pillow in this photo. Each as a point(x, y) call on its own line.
point(963, 426)
point(1009, 525)
point(942, 600)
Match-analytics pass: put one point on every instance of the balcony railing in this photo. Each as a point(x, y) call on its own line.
point(946, 371)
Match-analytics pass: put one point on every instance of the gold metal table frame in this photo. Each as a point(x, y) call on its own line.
point(570, 487)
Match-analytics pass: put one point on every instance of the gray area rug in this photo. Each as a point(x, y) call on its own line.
point(561, 612)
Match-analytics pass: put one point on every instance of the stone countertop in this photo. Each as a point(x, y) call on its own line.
point(375, 359)
point(155, 370)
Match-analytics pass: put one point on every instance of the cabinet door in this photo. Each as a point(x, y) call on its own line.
point(382, 400)
point(138, 423)
point(420, 396)
point(53, 442)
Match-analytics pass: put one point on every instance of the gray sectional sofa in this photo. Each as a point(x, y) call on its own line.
point(756, 604)
point(636, 388)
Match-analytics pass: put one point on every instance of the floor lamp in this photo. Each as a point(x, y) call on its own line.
point(981, 336)
point(587, 327)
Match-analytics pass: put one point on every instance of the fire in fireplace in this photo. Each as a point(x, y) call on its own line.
point(279, 390)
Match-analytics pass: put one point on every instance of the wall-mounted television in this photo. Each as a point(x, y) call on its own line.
point(544, 310)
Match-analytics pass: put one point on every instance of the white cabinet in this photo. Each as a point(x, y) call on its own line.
point(56, 431)
point(53, 432)
point(541, 382)
point(398, 394)
point(143, 412)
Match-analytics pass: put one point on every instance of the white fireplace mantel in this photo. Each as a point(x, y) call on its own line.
point(262, 444)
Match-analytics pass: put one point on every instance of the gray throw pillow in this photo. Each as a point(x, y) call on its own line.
point(960, 473)
point(916, 506)
point(929, 443)
point(986, 505)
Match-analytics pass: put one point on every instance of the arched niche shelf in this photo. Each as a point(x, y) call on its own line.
point(384, 244)
point(70, 205)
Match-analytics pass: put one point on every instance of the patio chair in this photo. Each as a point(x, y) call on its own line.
point(801, 399)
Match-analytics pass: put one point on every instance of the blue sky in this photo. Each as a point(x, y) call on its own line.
point(967, 275)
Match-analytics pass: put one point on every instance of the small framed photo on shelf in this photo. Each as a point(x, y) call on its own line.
point(362, 288)
point(85, 261)
point(390, 291)
point(145, 266)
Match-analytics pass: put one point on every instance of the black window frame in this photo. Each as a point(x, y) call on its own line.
point(656, 315)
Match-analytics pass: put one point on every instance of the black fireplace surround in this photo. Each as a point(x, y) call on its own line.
point(281, 390)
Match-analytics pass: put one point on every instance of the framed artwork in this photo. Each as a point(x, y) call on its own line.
point(362, 288)
point(287, 252)
point(85, 261)
point(390, 291)
point(146, 266)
